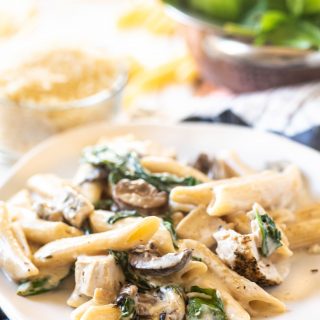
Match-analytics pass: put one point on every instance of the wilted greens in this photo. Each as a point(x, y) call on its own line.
point(122, 215)
point(127, 166)
point(271, 236)
point(36, 286)
point(132, 276)
point(288, 23)
point(208, 305)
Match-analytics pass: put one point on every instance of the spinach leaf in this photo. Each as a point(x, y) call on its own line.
point(36, 286)
point(131, 275)
point(271, 236)
point(122, 215)
point(167, 222)
point(194, 258)
point(104, 204)
point(128, 166)
point(202, 307)
point(127, 307)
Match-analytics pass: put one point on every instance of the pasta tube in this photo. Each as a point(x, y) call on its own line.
point(67, 250)
point(12, 258)
point(21, 238)
point(162, 238)
point(198, 225)
point(41, 231)
point(303, 234)
point(105, 312)
point(161, 164)
point(234, 166)
point(270, 189)
point(253, 298)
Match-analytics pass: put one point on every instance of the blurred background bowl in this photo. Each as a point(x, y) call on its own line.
point(239, 65)
point(23, 125)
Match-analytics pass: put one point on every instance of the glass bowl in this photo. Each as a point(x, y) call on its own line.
point(22, 126)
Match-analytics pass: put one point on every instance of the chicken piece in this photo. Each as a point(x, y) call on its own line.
point(56, 200)
point(240, 252)
point(95, 272)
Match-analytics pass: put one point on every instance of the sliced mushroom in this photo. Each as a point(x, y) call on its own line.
point(139, 194)
point(210, 166)
point(153, 265)
point(166, 303)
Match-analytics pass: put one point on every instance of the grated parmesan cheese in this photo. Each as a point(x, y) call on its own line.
point(55, 91)
point(56, 77)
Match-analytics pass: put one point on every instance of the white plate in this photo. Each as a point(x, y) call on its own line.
point(60, 155)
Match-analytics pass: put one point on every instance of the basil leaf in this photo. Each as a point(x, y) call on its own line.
point(205, 308)
point(122, 215)
point(271, 236)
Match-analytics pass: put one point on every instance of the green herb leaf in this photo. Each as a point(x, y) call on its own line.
point(193, 258)
point(167, 222)
point(104, 204)
point(271, 236)
point(131, 275)
point(122, 215)
point(127, 307)
point(210, 307)
point(128, 166)
point(36, 286)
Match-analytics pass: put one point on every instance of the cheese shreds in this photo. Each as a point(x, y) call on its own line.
point(58, 76)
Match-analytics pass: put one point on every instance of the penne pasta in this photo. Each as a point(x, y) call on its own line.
point(234, 166)
point(13, 259)
point(162, 239)
point(229, 196)
point(270, 189)
point(67, 250)
point(106, 312)
point(198, 225)
point(161, 164)
point(303, 234)
point(18, 233)
point(252, 297)
point(42, 232)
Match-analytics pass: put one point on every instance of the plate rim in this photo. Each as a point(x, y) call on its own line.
point(192, 125)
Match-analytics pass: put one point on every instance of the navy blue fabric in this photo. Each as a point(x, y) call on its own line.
point(3, 316)
point(310, 137)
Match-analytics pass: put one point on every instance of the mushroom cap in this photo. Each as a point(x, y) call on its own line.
point(139, 194)
point(160, 266)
